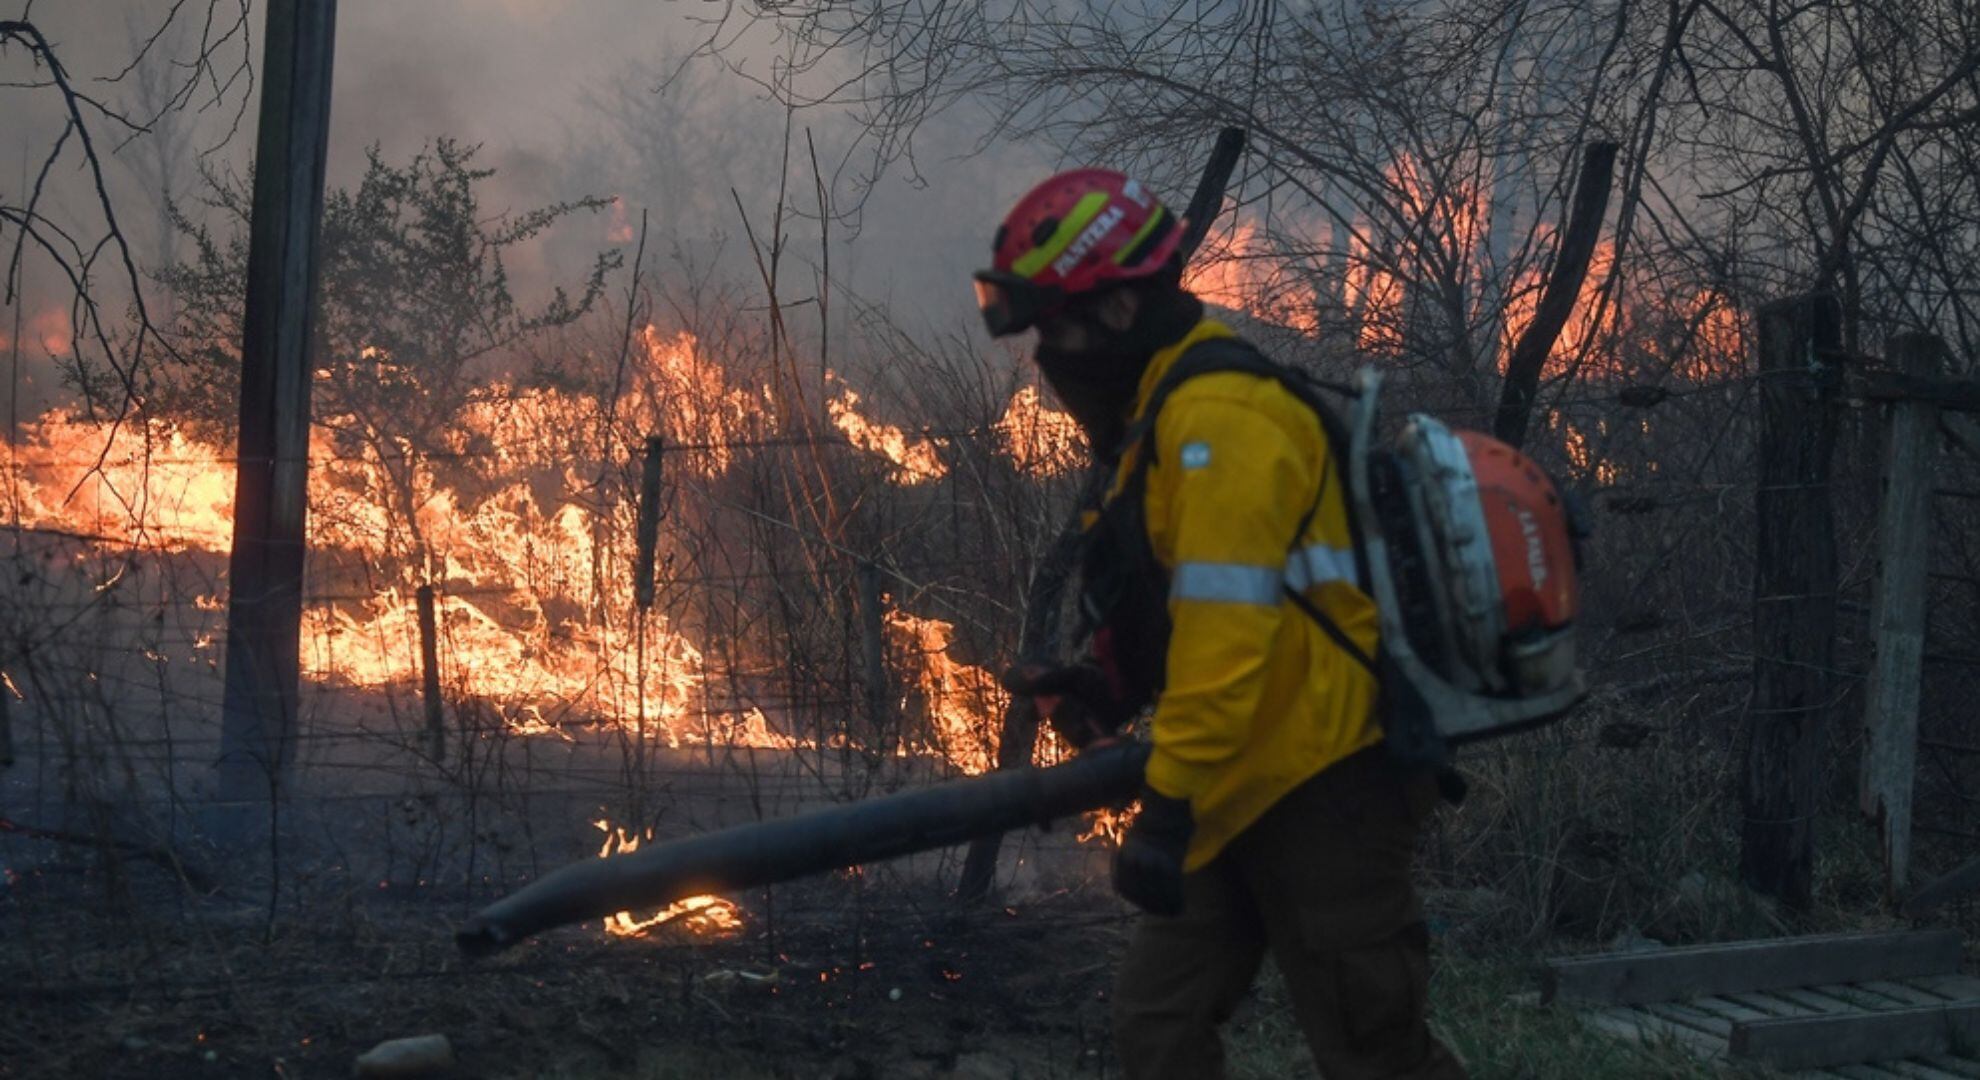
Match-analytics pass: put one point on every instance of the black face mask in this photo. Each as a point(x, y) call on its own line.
point(1097, 385)
point(1097, 388)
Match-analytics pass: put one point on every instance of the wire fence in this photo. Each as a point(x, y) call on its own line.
point(764, 678)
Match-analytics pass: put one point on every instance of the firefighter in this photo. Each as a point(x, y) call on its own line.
point(1271, 819)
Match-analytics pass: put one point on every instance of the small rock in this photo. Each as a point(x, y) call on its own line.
point(422, 1055)
point(136, 1043)
point(894, 994)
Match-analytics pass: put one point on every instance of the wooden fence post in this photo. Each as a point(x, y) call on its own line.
point(1897, 613)
point(429, 674)
point(647, 530)
point(1794, 597)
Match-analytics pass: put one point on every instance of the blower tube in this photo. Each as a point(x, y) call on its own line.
point(768, 852)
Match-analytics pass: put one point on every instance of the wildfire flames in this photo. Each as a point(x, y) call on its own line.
point(520, 569)
point(1042, 440)
point(699, 916)
point(915, 460)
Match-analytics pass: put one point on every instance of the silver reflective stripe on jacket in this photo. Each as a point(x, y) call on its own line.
point(1317, 564)
point(1229, 583)
point(1242, 583)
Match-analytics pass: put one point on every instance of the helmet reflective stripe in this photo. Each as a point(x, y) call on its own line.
point(1133, 251)
point(1317, 564)
point(1230, 583)
point(1083, 213)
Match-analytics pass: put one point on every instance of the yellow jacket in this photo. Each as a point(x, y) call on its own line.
point(1257, 698)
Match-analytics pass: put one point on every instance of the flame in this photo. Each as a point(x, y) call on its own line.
point(699, 916)
point(1583, 327)
point(123, 484)
point(1243, 272)
point(1039, 439)
point(1374, 294)
point(682, 392)
point(962, 704)
point(531, 587)
point(915, 460)
point(1106, 826)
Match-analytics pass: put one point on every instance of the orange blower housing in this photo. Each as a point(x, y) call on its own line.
point(1473, 565)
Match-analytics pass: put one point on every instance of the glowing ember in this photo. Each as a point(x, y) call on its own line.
point(698, 916)
point(915, 460)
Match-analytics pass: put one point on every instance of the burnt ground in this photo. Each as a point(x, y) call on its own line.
point(822, 983)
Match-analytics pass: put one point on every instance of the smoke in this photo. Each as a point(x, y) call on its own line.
point(566, 101)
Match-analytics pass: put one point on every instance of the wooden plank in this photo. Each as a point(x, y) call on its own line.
point(1773, 1005)
point(1918, 1070)
point(1882, 384)
point(1728, 1008)
point(1738, 967)
point(1843, 1039)
point(1897, 615)
point(1857, 996)
point(1952, 986)
point(1637, 1026)
point(1964, 1067)
point(1825, 1004)
point(1690, 1016)
point(1866, 1072)
point(1902, 994)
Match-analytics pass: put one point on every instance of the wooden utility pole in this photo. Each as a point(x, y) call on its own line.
point(1794, 596)
point(264, 612)
point(1897, 614)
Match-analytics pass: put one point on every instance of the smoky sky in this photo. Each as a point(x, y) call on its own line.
point(565, 100)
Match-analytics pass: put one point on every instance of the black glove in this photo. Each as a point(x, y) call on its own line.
point(1148, 869)
point(1076, 699)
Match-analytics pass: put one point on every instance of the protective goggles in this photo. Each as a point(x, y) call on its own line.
point(1011, 304)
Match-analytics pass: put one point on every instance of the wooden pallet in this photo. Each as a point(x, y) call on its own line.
point(1857, 1006)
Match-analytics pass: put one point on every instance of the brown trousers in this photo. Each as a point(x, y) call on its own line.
point(1322, 880)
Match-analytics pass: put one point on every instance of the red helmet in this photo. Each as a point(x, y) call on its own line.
point(1077, 232)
